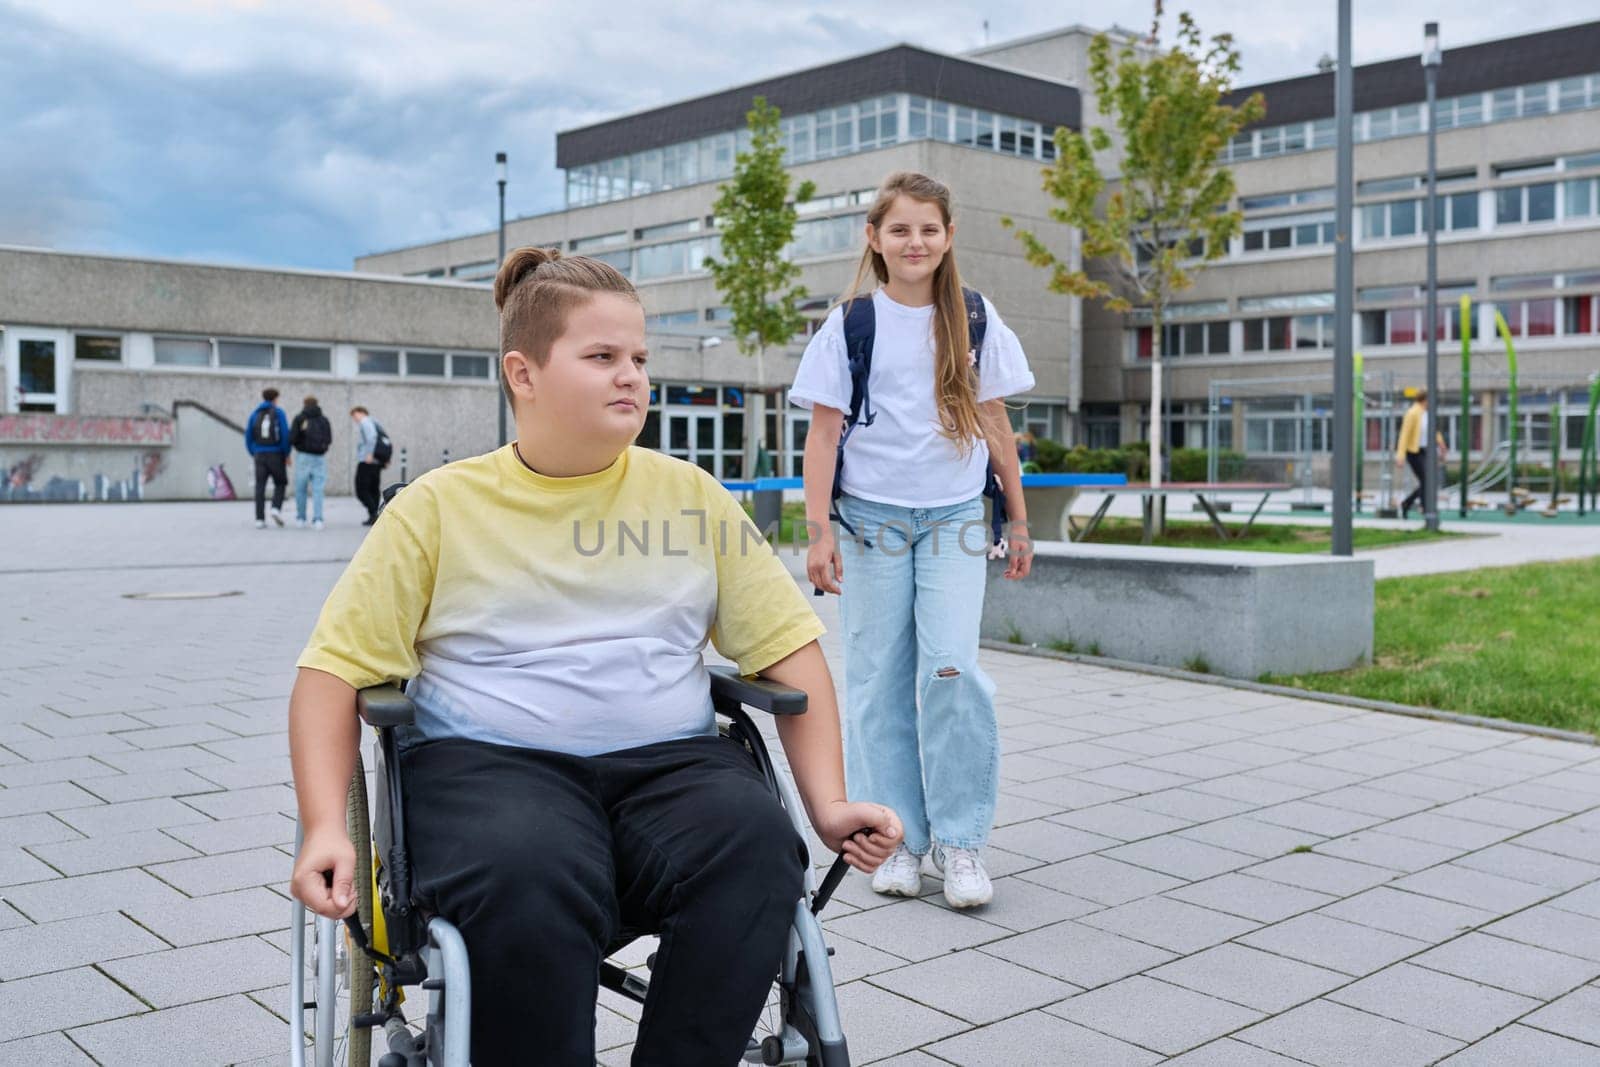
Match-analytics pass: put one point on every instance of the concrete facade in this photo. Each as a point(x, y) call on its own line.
point(1102, 381)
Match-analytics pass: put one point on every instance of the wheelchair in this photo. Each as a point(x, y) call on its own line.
point(358, 969)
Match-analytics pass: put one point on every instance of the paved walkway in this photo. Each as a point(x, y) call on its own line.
point(1185, 872)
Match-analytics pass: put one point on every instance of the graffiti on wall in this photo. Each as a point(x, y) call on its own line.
point(25, 482)
point(43, 428)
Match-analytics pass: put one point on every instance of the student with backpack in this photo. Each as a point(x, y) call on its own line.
point(373, 452)
point(908, 433)
point(266, 435)
point(311, 436)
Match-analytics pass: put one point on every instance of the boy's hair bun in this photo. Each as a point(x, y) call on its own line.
point(518, 265)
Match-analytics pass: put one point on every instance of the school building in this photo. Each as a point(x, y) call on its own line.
point(410, 333)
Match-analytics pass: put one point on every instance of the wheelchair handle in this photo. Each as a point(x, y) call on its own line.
point(835, 874)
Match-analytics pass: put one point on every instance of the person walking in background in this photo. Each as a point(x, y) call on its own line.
point(368, 468)
point(1411, 450)
point(266, 435)
point(310, 436)
point(921, 735)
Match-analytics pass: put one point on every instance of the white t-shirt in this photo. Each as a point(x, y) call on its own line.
point(902, 458)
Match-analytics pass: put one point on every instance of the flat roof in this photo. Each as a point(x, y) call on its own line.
point(310, 272)
point(1497, 64)
point(899, 68)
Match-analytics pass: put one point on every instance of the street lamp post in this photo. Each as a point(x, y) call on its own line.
point(1342, 535)
point(1433, 462)
point(500, 180)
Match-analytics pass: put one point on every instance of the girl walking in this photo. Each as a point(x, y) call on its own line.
point(920, 731)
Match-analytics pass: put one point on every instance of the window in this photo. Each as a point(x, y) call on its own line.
point(669, 229)
point(672, 319)
point(244, 354)
point(469, 366)
point(1583, 199)
point(1294, 231)
point(1579, 315)
point(1525, 203)
point(481, 271)
point(378, 361)
point(305, 358)
point(1266, 335)
point(425, 364)
point(183, 351)
point(99, 349)
point(821, 237)
point(1183, 339)
point(675, 257)
point(604, 240)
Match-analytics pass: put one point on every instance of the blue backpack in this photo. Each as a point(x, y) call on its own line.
point(860, 322)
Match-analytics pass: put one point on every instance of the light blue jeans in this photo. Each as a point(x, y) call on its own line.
point(912, 598)
point(309, 470)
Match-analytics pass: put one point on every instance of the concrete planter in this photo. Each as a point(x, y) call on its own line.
point(1244, 613)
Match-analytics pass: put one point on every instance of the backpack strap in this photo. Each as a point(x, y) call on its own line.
point(860, 323)
point(977, 327)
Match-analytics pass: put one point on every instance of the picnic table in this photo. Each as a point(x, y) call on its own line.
point(1204, 493)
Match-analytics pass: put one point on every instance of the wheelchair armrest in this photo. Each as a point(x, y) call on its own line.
point(758, 693)
point(384, 705)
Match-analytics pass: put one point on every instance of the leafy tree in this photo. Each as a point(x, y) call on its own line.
point(756, 216)
point(1150, 227)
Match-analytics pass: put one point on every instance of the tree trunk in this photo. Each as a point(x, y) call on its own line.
point(755, 417)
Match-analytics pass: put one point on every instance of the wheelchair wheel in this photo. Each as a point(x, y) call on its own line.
point(342, 975)
point(785, 1015)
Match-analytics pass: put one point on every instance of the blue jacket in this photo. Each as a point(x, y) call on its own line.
point(255, 446)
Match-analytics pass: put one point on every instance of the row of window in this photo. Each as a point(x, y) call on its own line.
point(1572, 316)
point(835, 131)
point(1472, 109)
point(288, 356)
point(1289, 426)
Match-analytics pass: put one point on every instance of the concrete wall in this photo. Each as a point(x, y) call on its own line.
point(119, 293)
point(424, 419)
point(1244, 613)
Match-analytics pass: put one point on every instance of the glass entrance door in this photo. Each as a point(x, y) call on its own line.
point(795, 445)
point(692, 435)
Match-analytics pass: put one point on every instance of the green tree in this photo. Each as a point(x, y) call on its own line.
point(1167, 213)
point(757, 281)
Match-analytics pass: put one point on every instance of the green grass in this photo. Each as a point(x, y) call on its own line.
point(1517, 643)
point(1261, 538)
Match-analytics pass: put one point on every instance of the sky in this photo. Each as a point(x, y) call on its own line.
point(307, 132)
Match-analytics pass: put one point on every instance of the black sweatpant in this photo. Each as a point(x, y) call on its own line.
point(540, 858)
point(367, 490)
point(270, 465)
point(1419, 466)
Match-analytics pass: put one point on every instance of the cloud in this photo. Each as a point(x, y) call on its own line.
point(306, 132)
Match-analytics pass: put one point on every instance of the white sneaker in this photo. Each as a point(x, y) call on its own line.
point(966, 883)
point(261, 524)
point(900, 875)
point(317, 524)
point(277, 516)
point(300, 521)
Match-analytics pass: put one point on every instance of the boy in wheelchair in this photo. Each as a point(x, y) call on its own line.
point(563, 778)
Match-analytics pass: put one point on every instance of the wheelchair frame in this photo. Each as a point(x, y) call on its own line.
point(427, 951)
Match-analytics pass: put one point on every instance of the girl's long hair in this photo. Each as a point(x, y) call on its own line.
point(955, 374)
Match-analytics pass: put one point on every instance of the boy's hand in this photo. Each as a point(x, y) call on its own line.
point(324, 874)
point(864, 834)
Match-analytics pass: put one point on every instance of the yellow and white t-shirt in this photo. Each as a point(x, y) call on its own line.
point(566, 614)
